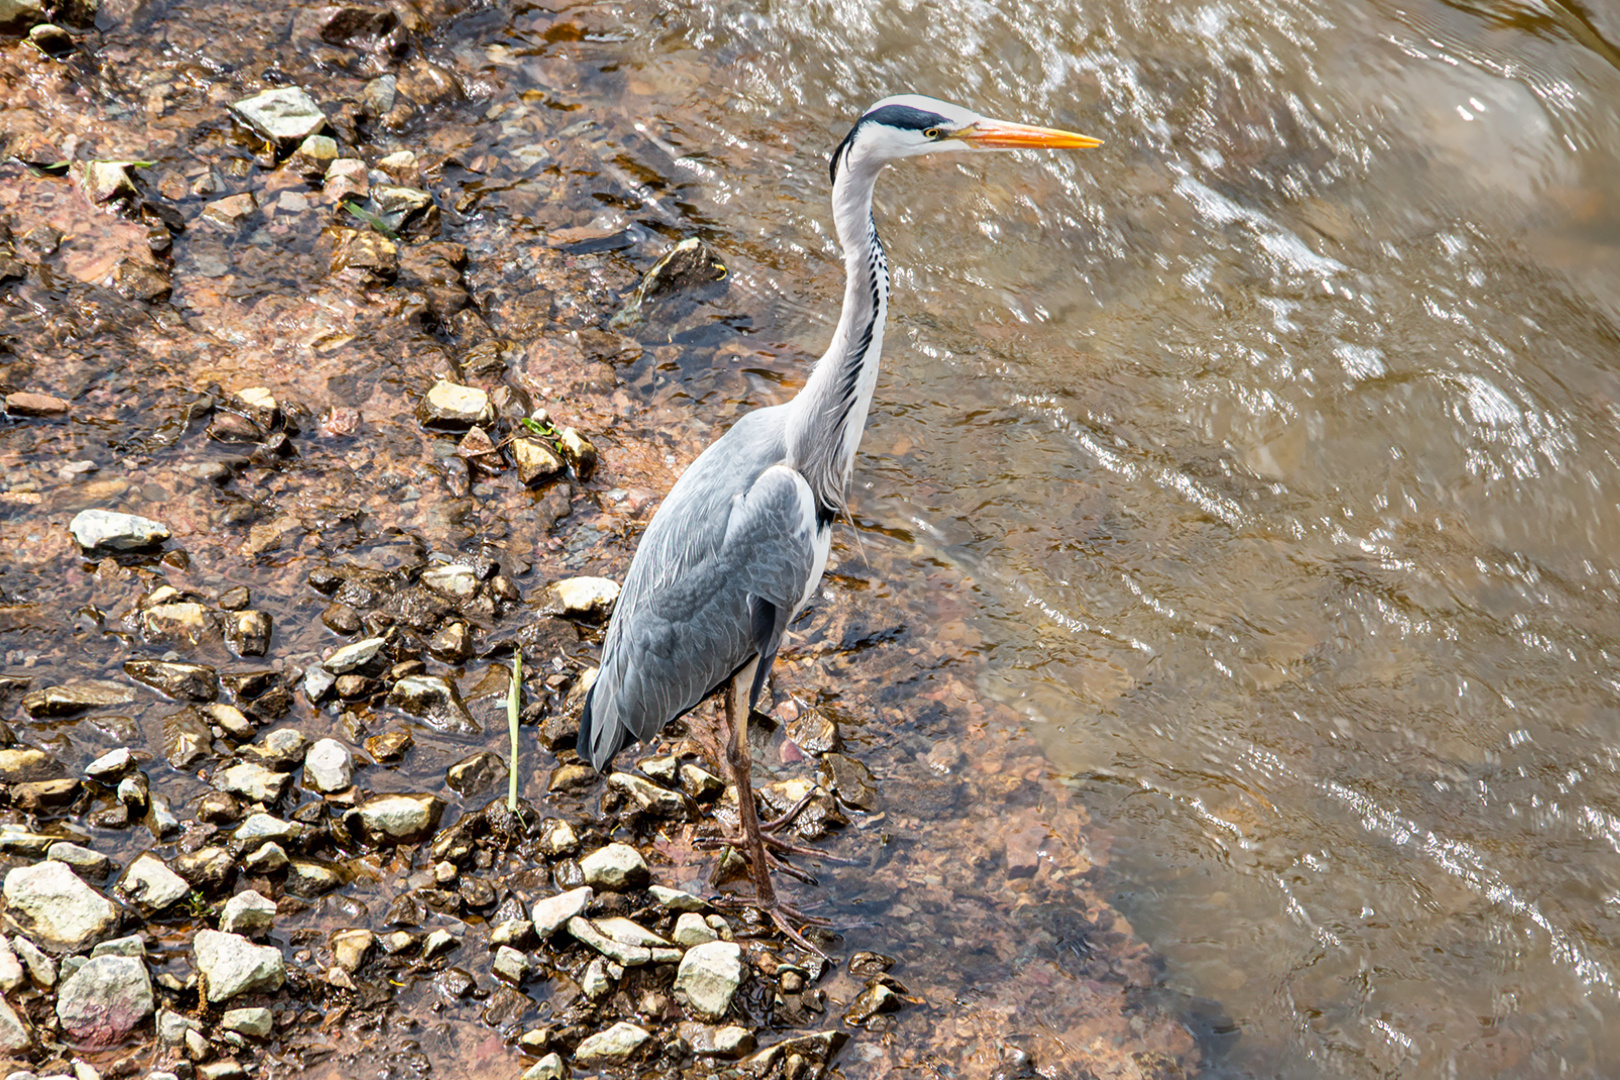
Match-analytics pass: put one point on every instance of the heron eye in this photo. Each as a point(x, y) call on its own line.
point(932, 133)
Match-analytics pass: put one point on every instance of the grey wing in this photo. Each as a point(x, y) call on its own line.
point(685, 631)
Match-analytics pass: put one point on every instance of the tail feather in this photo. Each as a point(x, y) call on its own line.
point(597, 744)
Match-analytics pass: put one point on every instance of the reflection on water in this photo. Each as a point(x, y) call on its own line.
point(1280, 435)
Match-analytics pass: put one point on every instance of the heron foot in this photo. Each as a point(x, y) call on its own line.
point(782, 915)
point(740, 846)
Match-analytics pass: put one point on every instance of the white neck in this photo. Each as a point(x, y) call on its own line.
point(830, 412)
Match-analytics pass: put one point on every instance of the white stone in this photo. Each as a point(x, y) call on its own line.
point(353, 656)
point(286, 115)
point(54, 903)
point(15, 1038)
point(615, 867)
point(708, 978)
point(329, 766)
point(455, 582)
point(94, 529)
point(690, 930)
point(230, 964)
point(253, 781)
point(400, 818)
point(553, 913)
point(247, 913)
point(451, 404)
point(106, 999)
point(615, 1046)
point(591, 597)
point(257, 1022)
point(149, 882)
point(550, 1067)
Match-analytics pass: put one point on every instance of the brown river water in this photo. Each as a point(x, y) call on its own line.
point(1263, 463)
point(1279, 439)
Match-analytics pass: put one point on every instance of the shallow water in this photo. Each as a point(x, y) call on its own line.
point(1279, 438)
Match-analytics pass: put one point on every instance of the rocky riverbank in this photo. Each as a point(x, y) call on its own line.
point(320, 406)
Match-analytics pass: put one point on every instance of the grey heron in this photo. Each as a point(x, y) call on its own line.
point(738, 547)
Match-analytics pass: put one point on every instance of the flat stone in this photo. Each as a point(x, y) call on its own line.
point(709, 1040)
point(676, 900)
point(850, 780)
point(248, 913)
point(257, 830)
point(149, 883)
point(54, 904)
point(283, 748)
point(308, 878)
point(230, 965)
point(258, 404)
point(628, 954)
point(458, 583)
point(314, 156)
point(479, 772)
point(23, 403)
point(17, 840)
point(286, 116)
point(105, 181)
point(615, 867)
point(233, 721)
point(256, 1023)
point(615, 1046)
point(585, 597)
point(105, 530)
point(400, 818)
point(435, 699)
point(76, 696)
point(452, 643)
point(88, 864)
point(182, 623)
point(106, 999)
point(41, 968)
point(253, 782)
point(552, 913)
point(231, 211)
point(518, 933)
point(328, 767)
point(354, 656)
point(350, 948)
point(110, 766)
point(19, 16)
point(647, 797)
point(38, 796)
point(20, 764)
point(452, 406)
point(183, 682)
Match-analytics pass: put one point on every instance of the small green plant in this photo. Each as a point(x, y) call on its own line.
point(375, 221)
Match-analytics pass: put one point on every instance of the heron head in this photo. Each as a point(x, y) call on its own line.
point(909, 124)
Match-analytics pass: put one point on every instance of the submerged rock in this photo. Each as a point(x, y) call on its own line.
point(435, 699)
point(689, 264)
point(76, 696)
point(286, 116)
point(96, 530)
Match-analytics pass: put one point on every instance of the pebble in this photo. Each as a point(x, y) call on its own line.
point(457, 583)
point(105, 999)
point(435, 699)
point(550, 1067)
point(230, 212)
point(104, 529)
point(708, 978)
point(615, 867)
point(14, 1034)
point(148, 883)
point(452, 406)
point(615, 1046)
point(257, 1022)
point(253, 782)
point(286, 115)
point(647, 797)
point(479, 772)
point(23, 403)
point(585, 597)
point(354, 656)
point(557, 838)
point(553, 913)
point(676, 900)
point(597, 982)
point(328, 767)
point(400, 818)
point(535, 458)
point(510, 964)
point(110, 766)
point(230, 965)
point(49, 900)
point(350, 948)
point(690, 930)
point(247, 913)
point(699, 783)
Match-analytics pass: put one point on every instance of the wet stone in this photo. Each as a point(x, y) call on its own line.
point(88, 864)
point(391, 745)
point(231, 720)
point(454, 407)
point(551, 914)
point(436, 700)
point(306, 877)
point(74, 697)
point(479, 772)
point(676, 900)
point(41, 968)
point(571, 778)
point(453, 643)
point(557, 838)
point(18, 16)
point(148, 883)
point(354, 687)
point(350, 948)
point(850, 780)
point(20, 764)
point(510, 964)
point(691, 929)
point(54, 904)
point(282, 749)
point(549, 1067)
point(618, 1045)
point(256, 1023)
point(359, 656)
point(179, 624)
point(341, 618)
point(578, 451)
point(707, 1040)
point(253, 782)
point(248, 632)
point(314, 156)
point(699, 783)
point(646, 797)
point(360, 255)
point(876, 998)
point(268, 858)
point(328, 767)
point(186, 682)
point(104, 530)
point(457, 583)
point(218, 808)
point(400, 819)
point(23, 403)
point(286, 116)
point(536, 460)
point(518, 933)
point(585, 597)
point(231, 428)
point(230, 212)
point(689, 264)
point(814, 732)
point(615, 867)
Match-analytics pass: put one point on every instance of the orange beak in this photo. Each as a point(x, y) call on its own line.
point(1001, 135)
